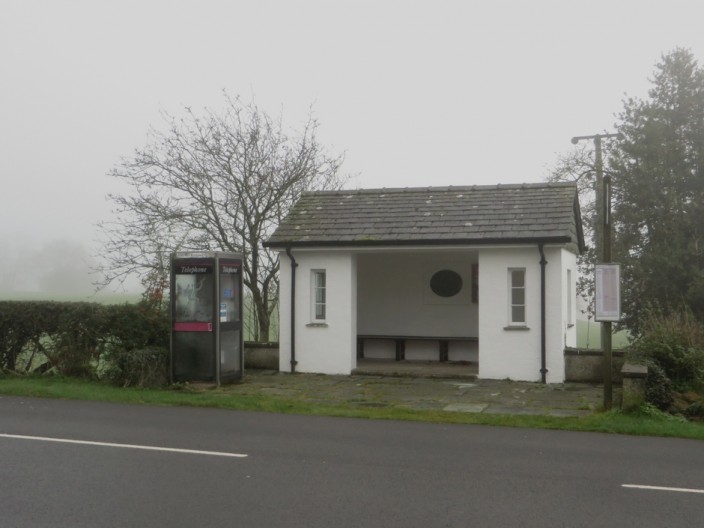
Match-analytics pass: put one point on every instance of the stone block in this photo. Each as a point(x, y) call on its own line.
point(634, 379)
point(261, 356)
point(586, 366)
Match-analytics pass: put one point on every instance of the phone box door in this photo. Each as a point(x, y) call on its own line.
point(230, 318)
point(193, 323)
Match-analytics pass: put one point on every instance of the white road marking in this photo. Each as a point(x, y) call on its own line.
point(126, 446)
point(663, 488)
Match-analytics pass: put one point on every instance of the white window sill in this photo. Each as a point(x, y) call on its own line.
point(516, 328)
point(317, 325)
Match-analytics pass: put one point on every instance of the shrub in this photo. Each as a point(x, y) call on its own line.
point(22, 326)
point(136, 326)
point(73, 346)
point(137, 367)
point(136, 353)
point(658, 387)
point(696, 411)
point(675, 342)
point(66, 334)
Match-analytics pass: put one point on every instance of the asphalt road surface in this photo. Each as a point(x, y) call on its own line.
point(74, 464)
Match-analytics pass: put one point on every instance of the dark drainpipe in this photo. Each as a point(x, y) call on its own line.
point(543, 263)
point(294, 265)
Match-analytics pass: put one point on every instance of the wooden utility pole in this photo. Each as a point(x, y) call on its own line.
point(602, 239)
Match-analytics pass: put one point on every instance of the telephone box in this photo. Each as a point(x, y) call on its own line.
point(206, 317)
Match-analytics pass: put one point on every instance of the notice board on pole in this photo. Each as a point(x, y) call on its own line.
point(608, 292)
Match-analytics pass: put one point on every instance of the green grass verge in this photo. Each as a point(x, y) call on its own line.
point(225, 398)
point(589, 336)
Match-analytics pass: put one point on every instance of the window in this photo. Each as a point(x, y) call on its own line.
point(318, 295)
point(446, 283)
point(517, 297)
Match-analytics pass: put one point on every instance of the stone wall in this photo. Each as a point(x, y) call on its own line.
point(585, 366)
point(261, 355)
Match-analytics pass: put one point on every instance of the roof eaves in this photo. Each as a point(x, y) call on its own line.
point(377, 242)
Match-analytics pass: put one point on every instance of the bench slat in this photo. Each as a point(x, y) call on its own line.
point(443, 344)
point(418, 338)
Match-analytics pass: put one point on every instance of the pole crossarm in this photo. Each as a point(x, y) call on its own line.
point(577, 139)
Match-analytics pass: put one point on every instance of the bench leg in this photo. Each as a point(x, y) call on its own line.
point(400, 349)
point(444, 350)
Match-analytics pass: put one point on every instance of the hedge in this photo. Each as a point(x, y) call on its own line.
point(73, 337)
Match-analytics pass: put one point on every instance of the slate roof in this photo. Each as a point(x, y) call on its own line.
point(543, 212)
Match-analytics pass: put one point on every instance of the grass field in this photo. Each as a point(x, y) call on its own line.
point(100, 297)
point(589, 336)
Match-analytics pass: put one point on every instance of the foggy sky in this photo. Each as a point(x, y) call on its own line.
point(416, 93)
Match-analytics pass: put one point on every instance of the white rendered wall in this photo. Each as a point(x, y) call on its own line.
point(560, 332)
point(569, 262)
point(284, 313)
point(395, 298)
point(515, 353)
point(328, 348)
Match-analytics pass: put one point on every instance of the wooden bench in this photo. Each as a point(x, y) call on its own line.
point(443, 344)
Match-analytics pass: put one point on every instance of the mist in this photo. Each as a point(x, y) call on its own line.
point(58, 269)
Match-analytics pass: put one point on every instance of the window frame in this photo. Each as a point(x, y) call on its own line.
point(511, 299)
point(315, 301)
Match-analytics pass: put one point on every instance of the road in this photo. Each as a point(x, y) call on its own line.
point(267, 470)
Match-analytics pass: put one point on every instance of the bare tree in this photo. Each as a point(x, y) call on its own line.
point(578, 166)
point(221, 182)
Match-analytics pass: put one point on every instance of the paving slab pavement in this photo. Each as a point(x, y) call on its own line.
point(450, 395)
